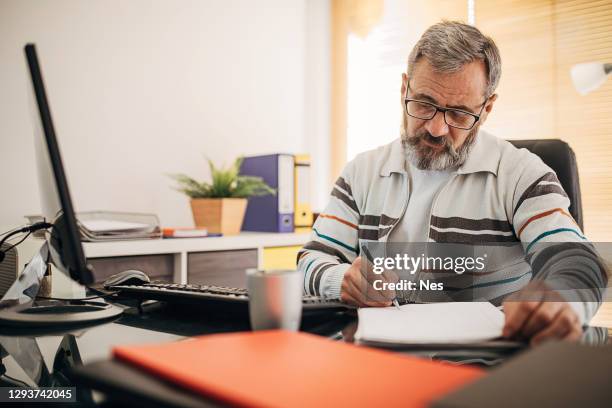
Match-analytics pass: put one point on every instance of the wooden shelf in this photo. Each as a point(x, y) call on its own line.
point(178, 245)
point(185, 259)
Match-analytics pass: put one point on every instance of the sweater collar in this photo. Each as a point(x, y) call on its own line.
point(484, 156)
point(395, 163)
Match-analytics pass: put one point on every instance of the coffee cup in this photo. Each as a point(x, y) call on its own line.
point(275, 299)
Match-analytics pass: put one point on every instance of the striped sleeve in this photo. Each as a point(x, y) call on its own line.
point(555, 246)
point(541, 212)
point(333, 244)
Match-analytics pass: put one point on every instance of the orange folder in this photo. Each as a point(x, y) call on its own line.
point(287, 369)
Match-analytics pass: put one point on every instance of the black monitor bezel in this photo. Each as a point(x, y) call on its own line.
point(66, 233)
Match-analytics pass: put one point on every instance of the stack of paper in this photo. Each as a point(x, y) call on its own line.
point(110, 226)
point(434, 323)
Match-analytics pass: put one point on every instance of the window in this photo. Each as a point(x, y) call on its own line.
point(375, 66)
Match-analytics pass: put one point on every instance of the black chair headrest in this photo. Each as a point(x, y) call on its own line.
point(561, 158)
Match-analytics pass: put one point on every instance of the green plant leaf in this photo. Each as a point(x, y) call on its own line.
point(225, 183)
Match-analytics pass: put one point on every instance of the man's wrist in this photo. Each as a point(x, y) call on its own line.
point(331, 283)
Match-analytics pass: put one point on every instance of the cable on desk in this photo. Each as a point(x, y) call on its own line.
point(18, 242)
point(29, 229)
point(11, 230)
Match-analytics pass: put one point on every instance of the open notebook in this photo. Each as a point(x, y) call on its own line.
point(434, 323)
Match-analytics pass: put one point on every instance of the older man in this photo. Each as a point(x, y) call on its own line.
point(446, 181)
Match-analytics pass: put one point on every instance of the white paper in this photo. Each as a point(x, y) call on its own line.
point(110, 225)
point(435, 323)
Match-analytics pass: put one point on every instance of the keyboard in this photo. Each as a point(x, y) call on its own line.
point(175, 292)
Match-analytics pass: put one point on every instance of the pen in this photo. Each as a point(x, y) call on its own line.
point(370, 259)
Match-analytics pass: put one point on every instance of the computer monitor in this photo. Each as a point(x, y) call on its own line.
point(19, 307)
point(56, 205)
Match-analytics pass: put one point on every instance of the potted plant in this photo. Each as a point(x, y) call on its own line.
point(219, 206)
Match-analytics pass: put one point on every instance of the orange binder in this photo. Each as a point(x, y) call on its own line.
point(286, 369)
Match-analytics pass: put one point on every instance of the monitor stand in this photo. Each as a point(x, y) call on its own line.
point(20, 309)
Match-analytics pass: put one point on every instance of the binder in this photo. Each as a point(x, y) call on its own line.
point(303, 209)
point(292, 369)
point(270, 213)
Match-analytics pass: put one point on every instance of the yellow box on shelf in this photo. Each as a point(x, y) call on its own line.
point(300, 230)
point(280, 257)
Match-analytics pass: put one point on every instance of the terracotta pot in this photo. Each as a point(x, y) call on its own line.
point(219, 215)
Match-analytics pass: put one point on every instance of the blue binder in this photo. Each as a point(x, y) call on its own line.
point(271, 213)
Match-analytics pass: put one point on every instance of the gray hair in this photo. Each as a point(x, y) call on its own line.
point(449, 45)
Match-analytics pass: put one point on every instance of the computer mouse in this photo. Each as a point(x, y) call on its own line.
point(129, 277)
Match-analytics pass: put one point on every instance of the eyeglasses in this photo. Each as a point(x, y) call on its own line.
point(456, 118)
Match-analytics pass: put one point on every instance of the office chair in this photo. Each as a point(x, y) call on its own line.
point(561, 158)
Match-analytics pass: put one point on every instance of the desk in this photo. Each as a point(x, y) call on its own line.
point(48, 357)
point(211, 261)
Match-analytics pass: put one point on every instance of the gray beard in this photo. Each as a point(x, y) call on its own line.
point(425, 157)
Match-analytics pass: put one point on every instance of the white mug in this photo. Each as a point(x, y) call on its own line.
point(275, 299)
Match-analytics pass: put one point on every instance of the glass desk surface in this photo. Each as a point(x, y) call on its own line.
point(42, 359)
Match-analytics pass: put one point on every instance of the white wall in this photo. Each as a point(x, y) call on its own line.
point(139, 89)
point(318, 97)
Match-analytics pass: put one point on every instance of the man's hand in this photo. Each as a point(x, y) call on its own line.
point(540, 315)
point(357, 286)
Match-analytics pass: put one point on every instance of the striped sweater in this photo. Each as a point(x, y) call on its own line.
point(500, 194)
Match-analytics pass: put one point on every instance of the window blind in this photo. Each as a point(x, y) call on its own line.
point(539, 42)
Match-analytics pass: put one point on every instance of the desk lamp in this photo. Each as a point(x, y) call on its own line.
point(589, 76)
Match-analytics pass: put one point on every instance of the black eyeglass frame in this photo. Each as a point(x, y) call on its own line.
point(443, 110)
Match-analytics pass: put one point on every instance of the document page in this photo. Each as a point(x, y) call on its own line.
point(111, 225)
point(435, 323)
